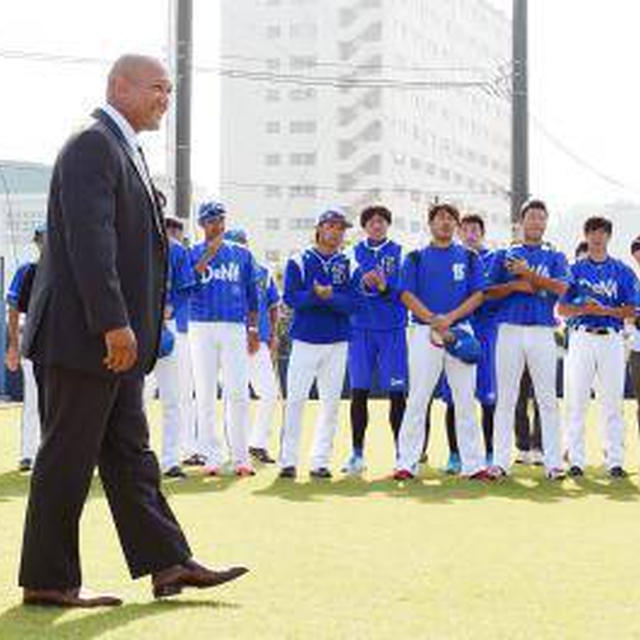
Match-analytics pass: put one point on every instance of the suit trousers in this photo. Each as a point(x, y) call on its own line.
point(91, 420)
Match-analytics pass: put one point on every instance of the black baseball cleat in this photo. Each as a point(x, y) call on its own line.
point(25, 465)
point(320, 473)
point(617, 472)
point(174, 472)
point(195, 460)
point(261, 455)
point(575, 471)
point(288, 472)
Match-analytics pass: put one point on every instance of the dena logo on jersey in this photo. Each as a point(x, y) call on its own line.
point(458, 269)
point(225, 272)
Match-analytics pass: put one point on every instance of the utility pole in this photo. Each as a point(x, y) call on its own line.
point(180, 132)
point(520, 111)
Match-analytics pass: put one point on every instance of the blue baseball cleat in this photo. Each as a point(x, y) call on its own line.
point(454, 465)
point(354, 465)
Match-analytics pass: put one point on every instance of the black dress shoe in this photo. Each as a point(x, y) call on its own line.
point(261, 455)
point(190, 574)
point(575, 471)
point(25, 465)
point(617, 472)
point(80, 598)
point(174, 472)
point(287, 472)
point(320, 473)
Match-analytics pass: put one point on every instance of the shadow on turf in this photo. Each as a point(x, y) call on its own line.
point(14, 484)
point(434, 487)
point(43, 622)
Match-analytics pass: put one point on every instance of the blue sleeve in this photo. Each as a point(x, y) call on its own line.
point(496, 273)
point(13, 293)
point(194, 256)
point(183, 274)
point(272, 296)
point(409, 274)
point(477, 280)
point(295, 296)
point(560, 268)
point(572, 292)
point(629, 288)
point(347, 301)
point(252, 287)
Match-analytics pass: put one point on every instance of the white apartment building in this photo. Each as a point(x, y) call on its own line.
point(24, 189)
point(353, 102)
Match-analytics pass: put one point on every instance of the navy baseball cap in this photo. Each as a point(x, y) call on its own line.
point(210, 210)
point(334, 214)
point(239, 236)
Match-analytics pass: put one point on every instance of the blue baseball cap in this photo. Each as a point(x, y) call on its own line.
point(333, 214)
point(463, 345)
point(210, 210)
point(239, 236)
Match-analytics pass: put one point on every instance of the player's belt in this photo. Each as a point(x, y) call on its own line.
point(598, 331)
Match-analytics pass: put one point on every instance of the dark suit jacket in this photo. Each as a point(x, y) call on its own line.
point(104, 261)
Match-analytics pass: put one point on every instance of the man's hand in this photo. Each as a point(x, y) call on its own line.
point(441, 324)
point(12, 357)
point(253, 340)
point(517, 267)
point(374, 279)
point(324, 292)
point(594, 308)
point(122, 349)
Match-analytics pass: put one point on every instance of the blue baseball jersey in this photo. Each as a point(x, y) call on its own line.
point(268, 296)
point(227, 290)
point(13, 292)
point(316, 320)
point(610, 283)
point(180, 282)
point(379, 311)
point(442, 278)
point(526, 308)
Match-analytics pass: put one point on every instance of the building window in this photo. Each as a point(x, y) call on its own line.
point(272, 159)
point(302, 159)
point(299, 95)
point(303, 126)
point(298, 224)
point(272, 64)
point(302, 191)
point(400, 224)
point(272, 95)
point(273, 126)
point(298, 63)
point(415, 226)
point(272, 224)
point(273, 31)
point(272, 191)
point(303, 30)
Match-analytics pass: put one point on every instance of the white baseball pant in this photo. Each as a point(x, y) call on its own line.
point(535, 346)
point(167, 373)
point(426, 362)
point(325, 363)
point(264, 382)
point(590, 357)
point(188, 433)
point(221, 346)
point(30, 420)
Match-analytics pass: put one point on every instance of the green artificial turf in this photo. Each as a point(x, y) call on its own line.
point(364, 558)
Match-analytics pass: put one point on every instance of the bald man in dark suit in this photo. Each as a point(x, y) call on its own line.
point(93, 329)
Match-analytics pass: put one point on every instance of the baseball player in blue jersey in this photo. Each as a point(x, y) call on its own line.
point(262, 375)
point(442, 285)
point(17, 300)
point(378, 337)
point(320, 288)
point(528, 278)
point(223, 320)
point(171, 369)
point(602, 294)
